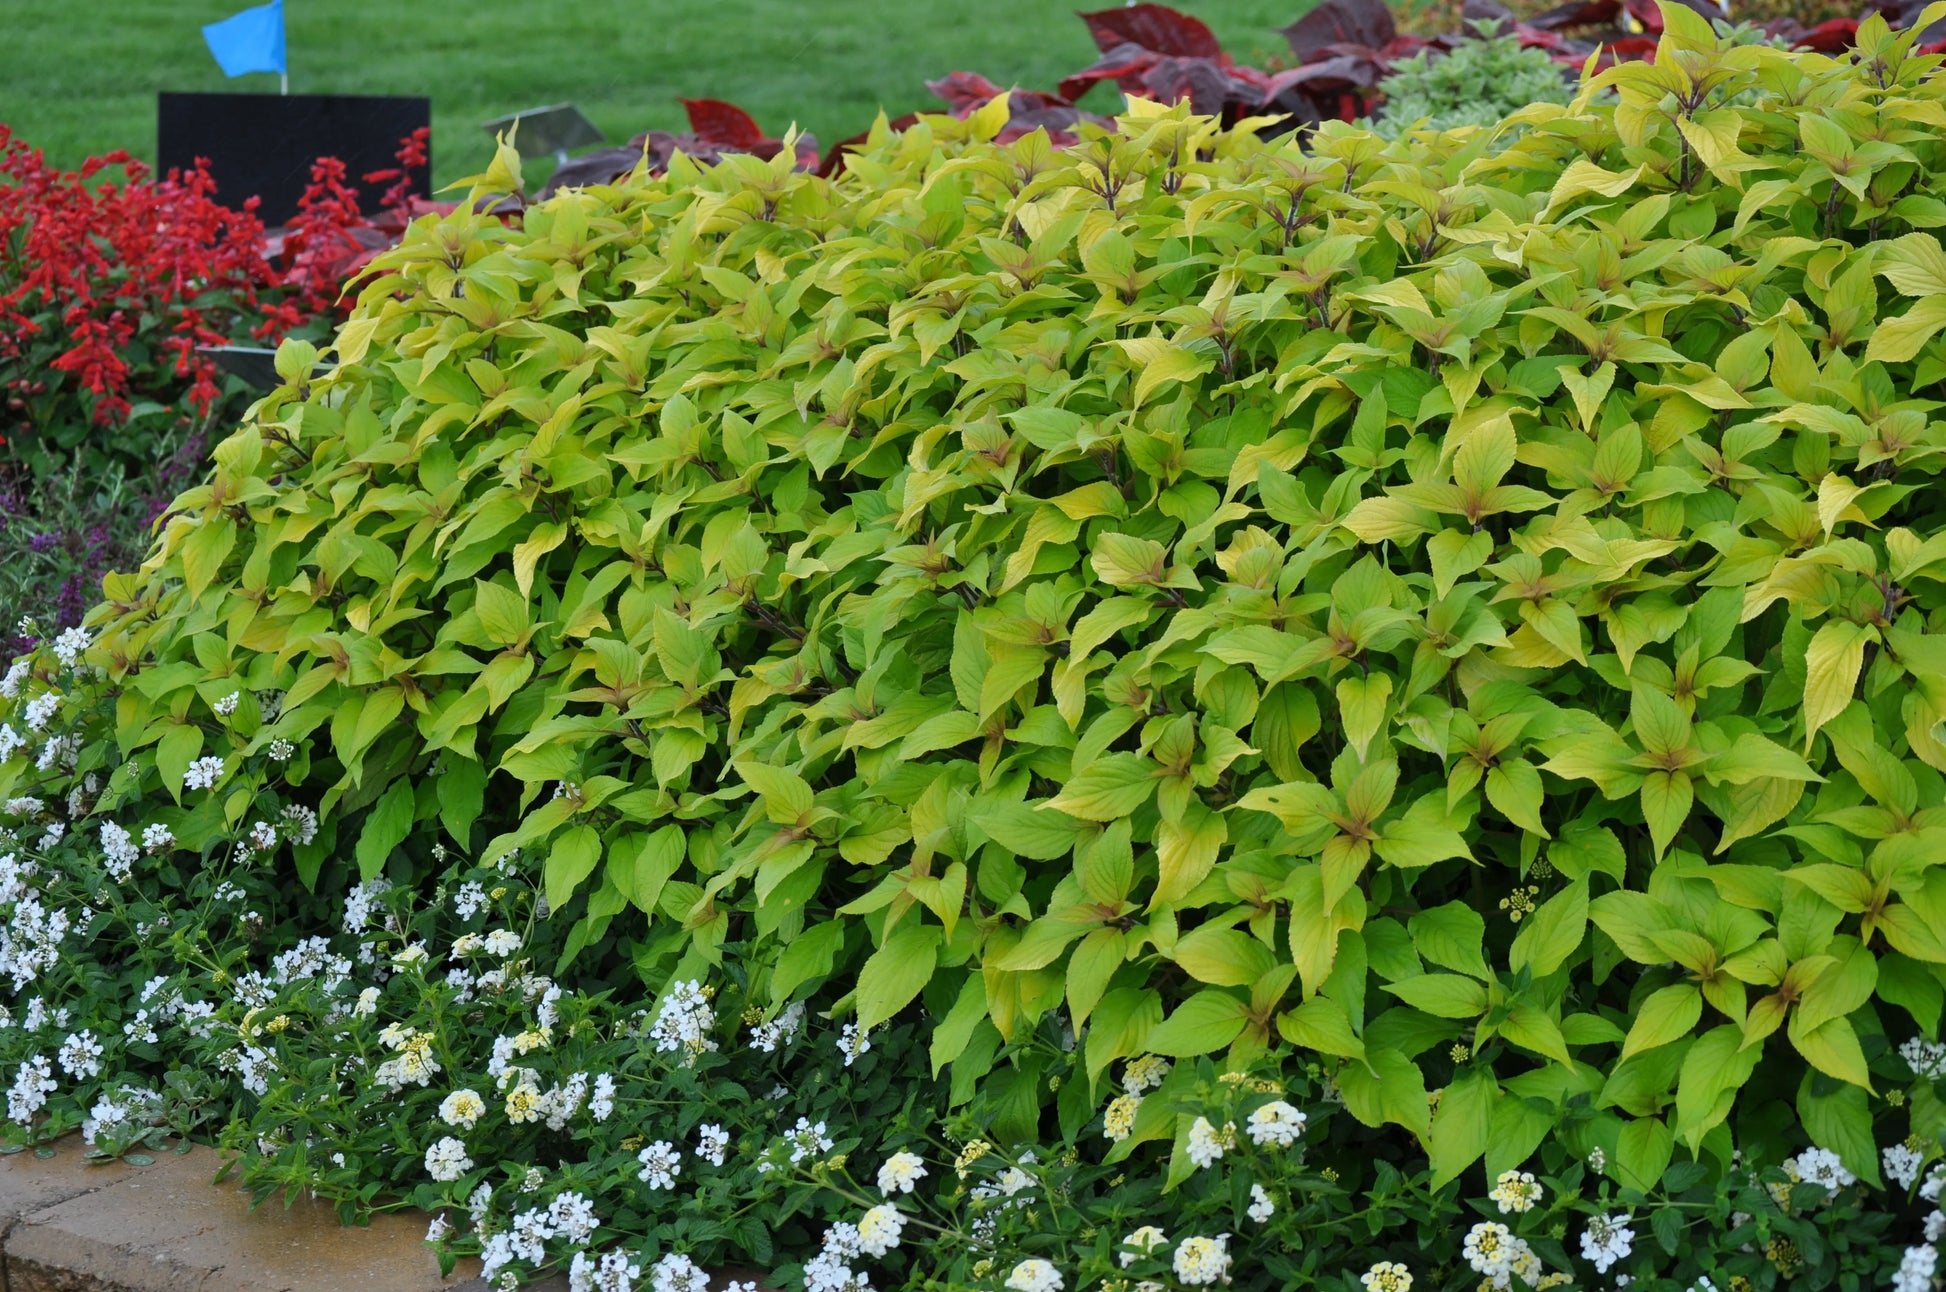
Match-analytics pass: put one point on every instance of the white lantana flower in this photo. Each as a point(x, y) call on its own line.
point(1387, 1276)
point(1821, 1166)
point(1201, 1261)
point(40, 709)
point(879, 1229)
point(80, 1055)
point(462, 1108)
point(1261, 1207)
point(1515, 1192)
point(900, 1173)
point(1925, 1058)
point(1145, 1241)
point(1118, 1119)
point(712, 1142)
point(1607, 1239)
point(1144, 1073)
point(684, 1021)
point(1035, 1275)
point(1276, 1123)
point(33, 1083)
point(661, 1164)
point(69, 645)
point(446, 1160)
point(1495, 1251)
point(1916, 1269)
point(778, 1032)
point(601, 1104)
point(118, 846)
point(202, 774)
point(1902, 1163)
point(1207, 1143)
point(677, 1273)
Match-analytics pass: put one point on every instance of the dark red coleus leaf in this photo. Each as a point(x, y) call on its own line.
point(1831, 37)
point(1154, 27)
point(963, 92)
point(1321, 82)
point(1341, 22)
point(1578, 13)
point(1626, 49)
point(723, 124)
point(1123, 64)
point(1208, 87)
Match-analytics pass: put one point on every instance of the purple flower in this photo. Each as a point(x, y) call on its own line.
point(45, 541)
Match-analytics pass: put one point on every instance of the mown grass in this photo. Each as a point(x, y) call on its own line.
point(82, 79)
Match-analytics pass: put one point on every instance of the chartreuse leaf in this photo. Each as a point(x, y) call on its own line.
point(897, 972)
point(1462, 1125)
point(1202, 1024)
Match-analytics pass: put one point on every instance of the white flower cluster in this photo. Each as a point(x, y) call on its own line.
point(661, 1164)
point(41, 709)
point(613, 1272)
point(570, 1216)
point(1202, 1261)
point(854, 1042)
point(1607, 1239)
point(1516, 1192)
point(1495, 1251)
point(446, 1160)
point(1902, 1163)
point(901, 1172)
point(33, 1083)
point(1916, 1268)
point(360, 900)
point(879, 1229)
point(1207, 1143)
point(1035, 1276)
point(202, 774)
point(1927, 1059)
point(830, 1270)
point(1820, 1166)
point(80, 1055)
point(712, 1143)
point(120, 1117)
point(16, 674)
point(118, 846)
point(69, 645)
point(415, 1065)
point(685, 1021)
point(1275, 1125)
point(778, 1032)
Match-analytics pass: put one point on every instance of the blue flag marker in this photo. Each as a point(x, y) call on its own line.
point(251, 41)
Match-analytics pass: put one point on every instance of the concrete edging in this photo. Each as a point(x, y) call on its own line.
point(69, 1225)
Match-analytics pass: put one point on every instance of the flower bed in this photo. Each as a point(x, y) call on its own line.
point(1343, 712)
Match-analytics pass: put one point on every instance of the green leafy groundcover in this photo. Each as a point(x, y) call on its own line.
point(1459, 616)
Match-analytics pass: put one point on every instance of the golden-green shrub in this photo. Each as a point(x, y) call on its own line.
point(1466, 610)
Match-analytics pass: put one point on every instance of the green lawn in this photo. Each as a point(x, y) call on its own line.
point(81, 78)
